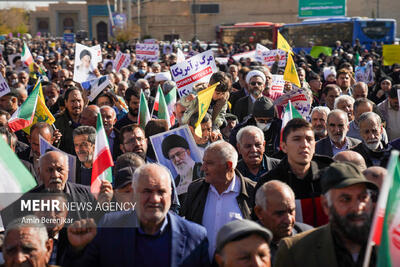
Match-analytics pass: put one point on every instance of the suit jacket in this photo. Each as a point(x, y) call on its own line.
point(114, 244)
point(317, 244)
point(324, 146)
point(196, 198)
point(66, 126)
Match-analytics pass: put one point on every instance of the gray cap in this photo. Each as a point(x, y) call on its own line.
point(263, 107)
point(240, 228)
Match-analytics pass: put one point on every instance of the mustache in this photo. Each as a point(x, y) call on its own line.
point(56, 181)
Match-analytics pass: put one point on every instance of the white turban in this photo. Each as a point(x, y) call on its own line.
point(253, 73)
point(163, 76)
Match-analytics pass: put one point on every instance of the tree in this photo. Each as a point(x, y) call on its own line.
point(13, 20)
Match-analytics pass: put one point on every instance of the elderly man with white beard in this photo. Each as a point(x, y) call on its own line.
point(176, 149)
point(373, 149)
point(336, 141)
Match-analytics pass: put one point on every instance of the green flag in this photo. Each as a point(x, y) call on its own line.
point(144, 114)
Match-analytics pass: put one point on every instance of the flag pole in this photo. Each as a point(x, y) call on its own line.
point(380, 209)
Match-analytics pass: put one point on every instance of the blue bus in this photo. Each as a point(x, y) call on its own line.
point(324, 32)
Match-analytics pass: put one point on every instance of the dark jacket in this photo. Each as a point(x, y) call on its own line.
point(307, 190)
point(380, 158)
point(197, 174)
point(243, 107)
point(114, 244)
point(271, 136)
point(66, 126)
point(76, 193)
point(196, 198)
point(324, 146)
point(267, 165)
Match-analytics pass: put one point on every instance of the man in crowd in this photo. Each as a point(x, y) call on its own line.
point(243, 243)
point(263, 116)
point(176, 149)
point(132, 99)
point(133, 139)
point(222, 195)
point(26, 242)
point(331, 92)
point(109, 118)
point(276, 210)
point(69, 119)
point(84, 143)
point(319, 116)
point(345, 103)
point(251, 146)
point(374, 151)
point(299, 169)
point(361, 106)
point(343, 80)
point(375, 174)
point(149, 235)
point(255, 80)
point(360, 90)
point(337, 141)
point(9, 102)
point(352, 157)
point(343, 240)
point(89, 116)
point(389, 109)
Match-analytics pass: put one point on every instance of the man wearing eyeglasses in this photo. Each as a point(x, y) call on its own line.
point(255, 80)
point(176, 149)
point(133, 139)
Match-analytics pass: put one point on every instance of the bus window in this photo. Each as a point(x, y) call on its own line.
point(376, 29)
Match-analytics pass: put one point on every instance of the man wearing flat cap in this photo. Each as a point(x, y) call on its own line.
point(176, 149)
point(262, 116)
point(255, 80)
point(342, 242)
point(243, 243)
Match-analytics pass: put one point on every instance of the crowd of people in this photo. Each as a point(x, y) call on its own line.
point(259, 197)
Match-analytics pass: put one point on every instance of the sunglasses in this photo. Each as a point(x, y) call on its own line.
point(256, 83)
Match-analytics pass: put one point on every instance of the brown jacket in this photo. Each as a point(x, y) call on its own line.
point(313, 248)
point(196, 197)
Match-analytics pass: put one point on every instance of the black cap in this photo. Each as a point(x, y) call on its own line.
point(343, 174)
point(230, 116)
point(123, 177)
point(240, 228)
point(263, 107)
point(172, 141)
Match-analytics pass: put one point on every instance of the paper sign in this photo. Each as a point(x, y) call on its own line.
point(365, 73)
point(300, 100)
point(149, 52)
point(150, 41)
point(95, 86)
point(249, 54)
point(69, 37)
point(86, 60)
point(107, 62)
point(268, 58)
point(196, 69)
point(11, 59)
point(121, 61)
point(222, 60)
point(4, 89)
point(259, 50)
point(45, 146)
point(316, 50)
point(391, 54)
point(277, 83)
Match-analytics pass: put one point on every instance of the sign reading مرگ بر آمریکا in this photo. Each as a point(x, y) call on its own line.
point(322, 8)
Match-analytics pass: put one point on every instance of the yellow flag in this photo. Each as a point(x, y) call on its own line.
point(204, 98)
point(290, 74)
point(42, 113)
point(283, 44)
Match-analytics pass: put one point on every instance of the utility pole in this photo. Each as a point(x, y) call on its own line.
point(194, 10)
point(138, 19)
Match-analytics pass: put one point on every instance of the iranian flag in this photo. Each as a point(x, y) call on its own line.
point(102, 161)
point(26, 56)
point(15, 179)
point(385, 230)
point(290, 113)
point(144, 114)
point(24, 115)
point(165, 105)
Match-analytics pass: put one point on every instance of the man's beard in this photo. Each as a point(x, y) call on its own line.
point(357, 234)
point(373, 146)
point(320, 131)
point(184, 167)
point(336, 138)
point(133, 112)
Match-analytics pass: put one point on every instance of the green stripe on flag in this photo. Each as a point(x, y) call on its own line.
point(28, 107)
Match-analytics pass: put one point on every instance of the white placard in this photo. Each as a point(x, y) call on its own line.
point(86, 60)
point(121, 61)
point(196, 69)
point(149, 52)
point(4, 89)
point(268, 58)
